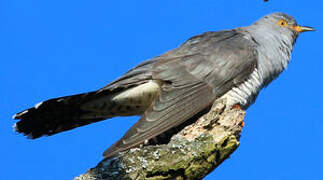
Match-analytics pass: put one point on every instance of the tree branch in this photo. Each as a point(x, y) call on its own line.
point(191, 154)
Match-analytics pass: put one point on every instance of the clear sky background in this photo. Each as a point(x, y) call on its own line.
point(57, 48)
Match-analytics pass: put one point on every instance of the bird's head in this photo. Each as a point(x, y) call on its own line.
point(282, 23)
point(277, 26)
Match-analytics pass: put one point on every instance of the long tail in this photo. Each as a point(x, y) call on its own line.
point(57, 115)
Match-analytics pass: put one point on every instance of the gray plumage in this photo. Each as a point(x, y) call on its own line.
point(170, 89)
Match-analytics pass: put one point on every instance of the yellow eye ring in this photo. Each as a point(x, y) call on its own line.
point(282, 23)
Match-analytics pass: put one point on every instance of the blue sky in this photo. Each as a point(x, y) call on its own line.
point(57, 48)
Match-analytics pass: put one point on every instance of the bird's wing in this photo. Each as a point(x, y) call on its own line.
point(190, 84)
point(137, 75)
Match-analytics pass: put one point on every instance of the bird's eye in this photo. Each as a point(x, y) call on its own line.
point(282, 23)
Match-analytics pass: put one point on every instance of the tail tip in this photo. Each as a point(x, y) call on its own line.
point(17, 130)
point(18, 115)
point(14, 116)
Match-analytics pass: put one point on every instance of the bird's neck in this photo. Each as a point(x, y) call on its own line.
point(274, 51)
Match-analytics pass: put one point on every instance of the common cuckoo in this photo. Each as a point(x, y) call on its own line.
point(170, 89)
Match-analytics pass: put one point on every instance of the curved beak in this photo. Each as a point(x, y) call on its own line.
point(301, 29)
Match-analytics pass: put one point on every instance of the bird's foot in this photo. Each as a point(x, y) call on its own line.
point(236, 106)
point(242, 124)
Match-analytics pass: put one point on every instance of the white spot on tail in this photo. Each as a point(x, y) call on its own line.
point(14, 116)
point(39, 104)
point(15, 129)
point(19, 114)
point(59, 100)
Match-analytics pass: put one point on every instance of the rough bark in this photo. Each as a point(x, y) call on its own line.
point(191, 154)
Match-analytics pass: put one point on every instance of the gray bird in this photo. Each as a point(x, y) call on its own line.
point(171, 89)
